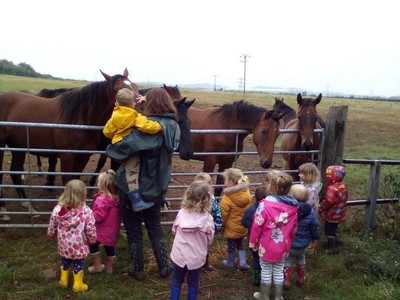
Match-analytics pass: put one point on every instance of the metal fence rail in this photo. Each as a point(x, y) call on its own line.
point(30, 166)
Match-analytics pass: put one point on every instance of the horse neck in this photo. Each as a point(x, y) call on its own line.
point(287, 117)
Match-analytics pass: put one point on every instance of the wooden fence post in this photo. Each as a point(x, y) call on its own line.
point(334, 137)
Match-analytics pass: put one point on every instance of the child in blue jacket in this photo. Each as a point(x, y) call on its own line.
point(307, 233)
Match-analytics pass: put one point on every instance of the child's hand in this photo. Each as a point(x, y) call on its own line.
point(140, 99)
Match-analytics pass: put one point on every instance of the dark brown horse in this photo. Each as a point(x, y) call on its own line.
point(237, 115)
point(306, 139)
point(90, 105)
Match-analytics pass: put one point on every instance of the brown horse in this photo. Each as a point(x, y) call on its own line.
point(237, 115)
point(90, 105)
point(304, 140)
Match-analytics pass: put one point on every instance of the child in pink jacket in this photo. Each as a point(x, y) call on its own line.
point(273, 230)
point(194, 232)
point(107, 214)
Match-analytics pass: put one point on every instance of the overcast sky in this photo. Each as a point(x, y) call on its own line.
point(348, 46)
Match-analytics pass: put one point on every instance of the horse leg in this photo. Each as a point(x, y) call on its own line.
point(3, 217)
point(208, 167)
point(39, 164)
point(222, 166)
point(100, 164)
point(17, 164)
point(52, 168)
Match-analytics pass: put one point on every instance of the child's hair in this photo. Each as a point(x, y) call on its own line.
point(270, 174)
point(261, 192)
point(280, 184)
point(125, 97)
point(299, 192)
point(203, 176)
point(197, 196)
point(105, 182)
point(236, 176)
point(311, 172)
point(74, 194)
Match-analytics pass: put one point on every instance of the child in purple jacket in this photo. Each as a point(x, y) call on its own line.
point(273, 230)
point(108, 219)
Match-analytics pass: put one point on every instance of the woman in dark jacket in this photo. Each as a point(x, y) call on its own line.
point(154, 176)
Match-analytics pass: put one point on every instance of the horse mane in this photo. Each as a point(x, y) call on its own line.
point(242, 110)
point(51, 93)
point(76, 104)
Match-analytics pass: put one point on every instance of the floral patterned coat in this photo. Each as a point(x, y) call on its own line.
point(273, 230)
point(75, 230)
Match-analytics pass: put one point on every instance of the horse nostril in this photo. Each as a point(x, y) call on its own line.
point(307, 146)
point(265, 164)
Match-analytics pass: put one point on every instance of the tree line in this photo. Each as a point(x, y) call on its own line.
point(22, 69)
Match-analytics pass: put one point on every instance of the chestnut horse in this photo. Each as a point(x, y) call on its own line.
point(306, 139)
point(90, 105)
point(237, 115)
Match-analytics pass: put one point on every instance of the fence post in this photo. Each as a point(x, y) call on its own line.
point(373, 186)
point(334, 137)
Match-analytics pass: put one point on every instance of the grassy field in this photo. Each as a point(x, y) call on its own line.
point(367, 266)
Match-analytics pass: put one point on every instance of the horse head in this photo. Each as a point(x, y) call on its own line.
point(185, 144)
point(118, 82)
point(307, 116)
point(265, 134)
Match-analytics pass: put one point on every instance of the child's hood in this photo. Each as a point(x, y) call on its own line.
point(70, 218)
point(239, 194)
point(335, 174)
point(192, 221)
point(304, 210)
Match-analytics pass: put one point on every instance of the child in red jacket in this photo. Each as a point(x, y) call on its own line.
point(333, 207)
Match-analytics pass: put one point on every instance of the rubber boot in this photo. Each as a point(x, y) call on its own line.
point(301, 271)
point(264, 294)
point(192, 293)
point(64, 277)
point(96, 267)
point(108, 265)
point(278, 291)
point(243, 266)
point(286, 277)
point(79, 286)
point(230, 262)
point(136, 269)
point(164, 267)
point(256, 277)
point(137, 203)
point(332, 246)
point(175, 293)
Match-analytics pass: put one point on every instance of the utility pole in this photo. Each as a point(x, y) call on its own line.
point(215, 82)
point(243, 59)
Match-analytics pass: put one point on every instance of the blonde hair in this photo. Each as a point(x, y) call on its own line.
point(105, 183)
point(299, 192)
point(203, 176)
point(125, 97)
point(197, 197)
point(261, 192)
point(311, 172)
point(270, 174)
point(280, 184)
point(236, 176)
point(74, 194)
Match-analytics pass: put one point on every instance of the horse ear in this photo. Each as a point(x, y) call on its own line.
point(189, 104)
point(318, 99)
point(299, 99)
point(126, 73)
point(165, 87)
point(106, 76)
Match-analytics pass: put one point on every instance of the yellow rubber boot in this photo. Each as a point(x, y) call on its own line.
point(79, 286)
point(64, 277)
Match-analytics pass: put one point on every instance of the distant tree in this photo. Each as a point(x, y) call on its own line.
point(22, 69)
